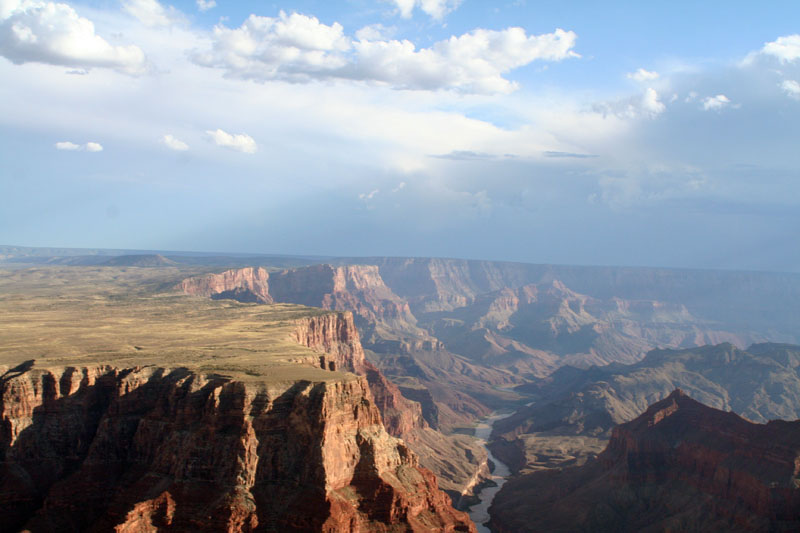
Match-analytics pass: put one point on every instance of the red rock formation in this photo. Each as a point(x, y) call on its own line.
point(243, 284)
point(140, 449)
point(679, 466)
point(335, 336)
point(356, 288)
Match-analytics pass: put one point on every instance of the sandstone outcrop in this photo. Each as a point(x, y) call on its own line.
point(140, 449)
point(244, 284)
point(335, 336)
point(680, 466)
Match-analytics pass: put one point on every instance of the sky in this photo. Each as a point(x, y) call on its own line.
point(571, 132)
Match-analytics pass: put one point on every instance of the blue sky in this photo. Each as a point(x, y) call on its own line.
point(628, 133)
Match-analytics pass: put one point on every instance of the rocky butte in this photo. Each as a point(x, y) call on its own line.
point(125, 410)
point(680, 466)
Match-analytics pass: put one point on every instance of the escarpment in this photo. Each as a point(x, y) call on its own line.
point(356, 288)
point(142, 411)
point(336, 338)
point(143, 448)
point(680, 466)
point(244, 284)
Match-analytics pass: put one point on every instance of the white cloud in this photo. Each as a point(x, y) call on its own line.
point(400, 187)
point(150, 12)
point(374, 32)
point(53, 33)
point(715, 102)
point(174, 144)
point(205, 5)
point(436, 9)
point(651, 104)
point(290, 47)
point(786, 48)
point(241, 142)
point(791, 88)
point(642, 75)
point(368, 196)
point(299, 48)
point(648, 105)
point(473, 62)
point(66, 145)
point(88, 147)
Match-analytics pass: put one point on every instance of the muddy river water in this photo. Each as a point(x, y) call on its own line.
point(480, 512)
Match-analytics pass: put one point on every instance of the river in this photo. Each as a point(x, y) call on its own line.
point(480, 512)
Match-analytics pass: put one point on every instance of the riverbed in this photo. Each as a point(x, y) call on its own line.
point(479, 513)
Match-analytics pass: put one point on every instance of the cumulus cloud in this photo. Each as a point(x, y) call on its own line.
point(67, 145)
point(791, 88)
point(299, 48)
point(205, 5)
point(290, 47)
point(436, 9)
point(71, 146)
point(715, 103)
point(54, 33)
point(642, 75)
point(786, 49)
point(647, 105)
point(374, 32)
point(150, 12)
point(241, 142)
point(368, 196)
point(651, 105)
point(174, 144)
point(400, 187)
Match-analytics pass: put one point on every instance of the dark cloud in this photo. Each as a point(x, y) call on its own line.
point(465, 155)
point(551, 153)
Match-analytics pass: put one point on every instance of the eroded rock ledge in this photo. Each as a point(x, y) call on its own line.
point(136, 449)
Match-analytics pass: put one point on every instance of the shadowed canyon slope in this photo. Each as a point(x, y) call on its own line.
point(680, 466)
point(138, 411)
point(576, 409)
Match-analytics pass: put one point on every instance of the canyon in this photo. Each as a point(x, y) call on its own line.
point(163, 411)
point(680, 466)
point(576, 409)
point(413, 352)
point(466, 332)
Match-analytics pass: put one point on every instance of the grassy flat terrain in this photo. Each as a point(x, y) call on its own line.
point(82, 316)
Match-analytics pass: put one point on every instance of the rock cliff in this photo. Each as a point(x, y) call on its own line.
point(336, 338)
point(144, 448)
point(680, 466)
point(244, 284)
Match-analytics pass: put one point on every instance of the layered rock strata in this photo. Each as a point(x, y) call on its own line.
point(244, 284)
point(336, 338)
point(142, 449)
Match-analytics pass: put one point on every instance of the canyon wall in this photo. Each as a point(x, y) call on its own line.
point(336, 338)
point(244, 284)
point(139, 449)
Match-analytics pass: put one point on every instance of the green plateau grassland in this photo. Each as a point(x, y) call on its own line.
point(127, 316)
